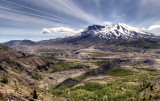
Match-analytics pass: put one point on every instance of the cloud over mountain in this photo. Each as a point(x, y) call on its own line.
point(61, 30)
point(154, 27)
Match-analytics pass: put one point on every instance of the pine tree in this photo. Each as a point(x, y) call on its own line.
point(35, 96)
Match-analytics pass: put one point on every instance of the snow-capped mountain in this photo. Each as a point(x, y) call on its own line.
point(115, 31)
point(119, 34)
point(107, 34)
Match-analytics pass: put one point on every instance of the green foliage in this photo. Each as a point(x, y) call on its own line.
point(65, 66)
point(37, 76)
point(107, 62)
point(148, 69)
point(78, 66)
point(66, 86)
point(80, 78)
point(59, 92)
point(91, 86)
point(119, 90)
point(101, 63)
point(4, 79)
point(48, 57)
point(82, 95)
point(16, 70)
point(119, 72)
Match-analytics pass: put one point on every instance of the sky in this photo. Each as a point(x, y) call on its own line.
point(48, 19)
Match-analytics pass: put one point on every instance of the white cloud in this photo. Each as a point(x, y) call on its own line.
point(153, 27)
point(25, 18)
point(2, 33)
point(61, 30)
point(107, 23)
point(68, 7)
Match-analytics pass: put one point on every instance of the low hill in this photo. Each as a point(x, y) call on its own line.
point(19, 70)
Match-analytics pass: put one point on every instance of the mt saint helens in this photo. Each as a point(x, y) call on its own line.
point(115, 31)
point(111, 33)
point(119, 34)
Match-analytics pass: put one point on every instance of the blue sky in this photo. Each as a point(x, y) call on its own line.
point(27, 19)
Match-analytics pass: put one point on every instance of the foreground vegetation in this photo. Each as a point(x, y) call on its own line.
point(130, 88)
point(61, 65)
point(118, 72)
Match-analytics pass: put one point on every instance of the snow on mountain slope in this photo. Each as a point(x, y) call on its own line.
point(115, 31)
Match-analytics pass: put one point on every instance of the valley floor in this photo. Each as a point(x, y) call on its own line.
point(90, 74)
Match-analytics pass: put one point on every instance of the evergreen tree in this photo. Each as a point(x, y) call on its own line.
point(35, 96)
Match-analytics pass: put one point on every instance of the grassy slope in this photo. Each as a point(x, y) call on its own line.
point(130, 88)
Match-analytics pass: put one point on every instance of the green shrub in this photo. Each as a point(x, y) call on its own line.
point(60, 92)
point(148, 69)
point(48, 57)
point(16, 70)
point(101, 63)
point(91, 86)
point(78, 67)
point(128, 88)
point(80, 78)
point(60, 66)
point(4, 79)
point(119, 72)
point(82, 95)
point(37, 76)
point(66, 86)
point(108, 63)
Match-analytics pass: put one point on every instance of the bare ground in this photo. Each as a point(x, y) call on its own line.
point(58, 77)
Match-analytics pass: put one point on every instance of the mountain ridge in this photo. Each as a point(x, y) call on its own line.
point(103, 34)
point(115, 31)
point(108, 34)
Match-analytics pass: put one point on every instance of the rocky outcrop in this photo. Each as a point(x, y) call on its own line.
point(17, 68)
